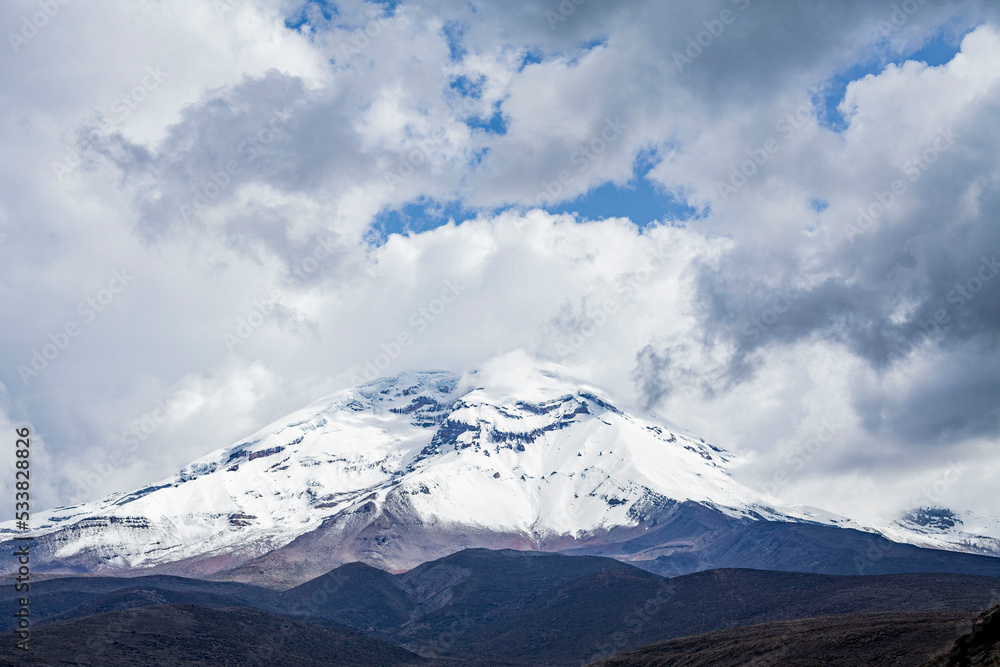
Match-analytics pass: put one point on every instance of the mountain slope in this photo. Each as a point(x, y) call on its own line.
point(980, 647)
point(71, 597)
point(523, 607)
point(186, 634)
point(805, 547)
point(563, 612)
point(407, 469)
point(833, 641)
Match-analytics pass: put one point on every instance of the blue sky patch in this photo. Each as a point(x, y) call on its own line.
point(640, 200)
point(495, 124)
point(594, 43)
point(390, 5)
point(938, 50)
point(419, 216)
point(530, 58)
point(311, 12)
point(453, 32)
point(468, 87)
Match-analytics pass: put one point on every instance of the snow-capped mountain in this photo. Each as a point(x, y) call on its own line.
point(942, 528)
point(413, 467)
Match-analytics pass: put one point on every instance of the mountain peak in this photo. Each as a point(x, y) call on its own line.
point(397, 471)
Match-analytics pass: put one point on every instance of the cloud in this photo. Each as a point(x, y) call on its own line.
point(241, 187)
point(917, 273)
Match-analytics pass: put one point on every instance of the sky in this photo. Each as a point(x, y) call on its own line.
point(772, 222)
